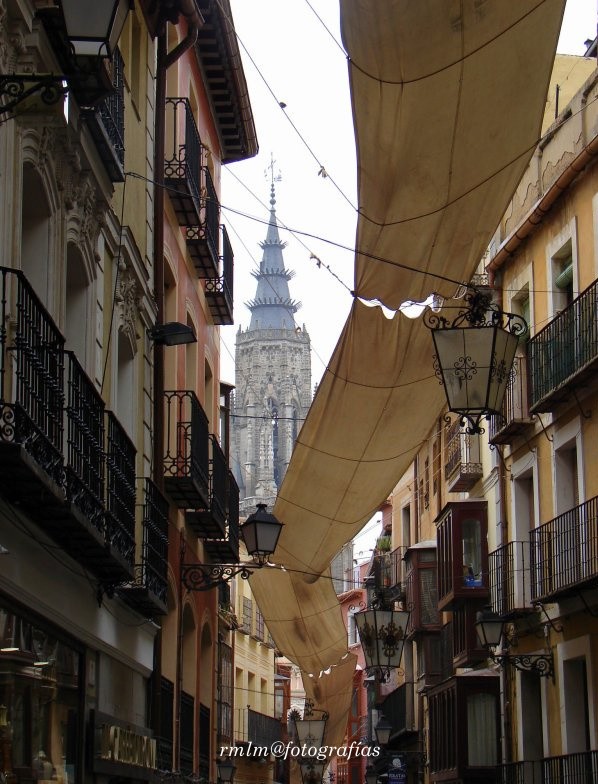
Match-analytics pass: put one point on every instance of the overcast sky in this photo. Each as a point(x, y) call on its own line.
point(292, 55)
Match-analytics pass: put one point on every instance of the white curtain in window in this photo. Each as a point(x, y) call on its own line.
point(481, 730)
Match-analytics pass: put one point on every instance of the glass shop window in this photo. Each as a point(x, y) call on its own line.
point(39, 704)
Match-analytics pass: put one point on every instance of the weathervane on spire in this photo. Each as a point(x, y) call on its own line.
point(273, 178)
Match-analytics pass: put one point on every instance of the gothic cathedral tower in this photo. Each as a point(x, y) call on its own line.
point(272, 379)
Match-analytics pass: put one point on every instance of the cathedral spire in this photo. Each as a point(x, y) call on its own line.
point(272, 306)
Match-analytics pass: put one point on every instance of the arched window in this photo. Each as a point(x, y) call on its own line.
point(36, 222)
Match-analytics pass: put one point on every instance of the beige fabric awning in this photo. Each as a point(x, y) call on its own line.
point(448, 99)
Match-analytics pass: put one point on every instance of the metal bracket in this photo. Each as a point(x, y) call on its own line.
point(585, 414)
point(539, 418)
point(555, 627)
point(541, 664)
point(204, 577)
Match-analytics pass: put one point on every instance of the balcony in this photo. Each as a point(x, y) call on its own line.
point(578, 768)
point(510, 590)
point(96, 525)
point(389, 573)
point(464, 729)
point(422, 588)
point(515, 416)
point(564, 553)
point(463, 467)
point(79, 489)
point(147, 594)
point(563, 356)
point(259, 729)
point(31, 396)
point(186, 459)
point(203, 240)
point(219, 290)
point(462, 554)
point(182, 161)
point(467, 650)
point(398, 710)
point(106, 124)
point(226, 549)
point(210, 523)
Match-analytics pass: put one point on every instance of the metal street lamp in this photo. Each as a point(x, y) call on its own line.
point(310, 731)
point(226, 771)
point(491, 629)
point(371, 776)
point(382, 637)
point(93, 28)
point(85, 33)
point(311, 772)
point(474, 356)
point(173, 333)
point(260, 534)
point(383, 730)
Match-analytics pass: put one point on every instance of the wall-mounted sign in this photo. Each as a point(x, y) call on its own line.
point(123, 749)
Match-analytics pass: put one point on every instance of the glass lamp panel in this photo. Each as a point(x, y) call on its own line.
point(226, 771)
point(382, 636)
point(310, 732)
point(489, 628)
point(312, 772)
point(505, 345)
point(93, 27)
point(471, 545)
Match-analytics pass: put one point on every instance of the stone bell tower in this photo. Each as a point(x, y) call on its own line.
point(272, 379)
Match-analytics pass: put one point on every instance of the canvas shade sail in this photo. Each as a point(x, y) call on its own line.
point(448, 99)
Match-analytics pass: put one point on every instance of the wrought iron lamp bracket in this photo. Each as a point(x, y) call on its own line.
point(541, 664)
point(16, 88)
point(479, 311)
point(204, 577)
point(309, 710)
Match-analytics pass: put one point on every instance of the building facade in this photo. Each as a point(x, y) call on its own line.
point(114, 480)
point(503, 521)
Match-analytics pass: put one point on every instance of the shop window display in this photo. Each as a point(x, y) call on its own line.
point(39, 704)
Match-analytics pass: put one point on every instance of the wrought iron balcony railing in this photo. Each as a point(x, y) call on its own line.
point(182, 163)
point(463, 467)
point(120, 487)
point(85, 470)
point(186, 459)
point(389, 573)
point(203, 240)
point(515, 415)
point(510, 593)
point(564, 352)
point(31, 382)
point(226, 549)
point(210, 523)
point(398, 709)
point(578, 768)
point(263, 730)
point(81, 488)
point(564, 552)
point(148, 591)
point(106, 123)
point(219, 290)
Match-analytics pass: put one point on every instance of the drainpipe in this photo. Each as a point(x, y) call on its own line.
point(164, 60)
